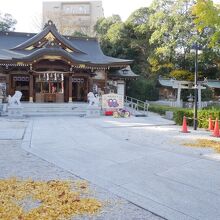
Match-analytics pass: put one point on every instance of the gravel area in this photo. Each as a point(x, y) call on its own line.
point(15, 162)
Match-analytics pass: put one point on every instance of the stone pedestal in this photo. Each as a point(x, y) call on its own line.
point(3, 109)
point(31, 99)
point(15, 111)
point(93, 112)
point(169, 115)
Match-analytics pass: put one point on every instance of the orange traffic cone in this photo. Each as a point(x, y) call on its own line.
point(216, 129)
point(211, 125)
point(184, 127)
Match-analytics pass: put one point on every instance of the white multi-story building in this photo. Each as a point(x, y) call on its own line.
point(75, 16)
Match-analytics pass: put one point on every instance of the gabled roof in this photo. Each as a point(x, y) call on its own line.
point(25, 47)
point(175, 83)
point(215, 84)
point(187, 84)
point(123, 73)
point(49, 31)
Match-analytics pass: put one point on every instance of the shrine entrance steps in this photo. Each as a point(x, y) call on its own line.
point(55, 109)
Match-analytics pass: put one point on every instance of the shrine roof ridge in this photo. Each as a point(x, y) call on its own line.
point(31, 34)
point(18, 46)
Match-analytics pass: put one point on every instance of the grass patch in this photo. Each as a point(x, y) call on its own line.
point(206, 143)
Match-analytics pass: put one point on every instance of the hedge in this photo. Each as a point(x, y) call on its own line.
point(203, 115)
point(178, 116)
point(161, 109)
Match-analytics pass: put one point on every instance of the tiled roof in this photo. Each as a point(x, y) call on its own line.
point(13, 47)
point(123, 73)
point(170, 83)
point(213, 84)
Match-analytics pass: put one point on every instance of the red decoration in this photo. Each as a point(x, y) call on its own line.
point(108, 113)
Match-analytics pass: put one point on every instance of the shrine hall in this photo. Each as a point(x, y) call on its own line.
point(50, 67)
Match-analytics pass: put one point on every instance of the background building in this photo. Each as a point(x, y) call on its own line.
point(75, 16)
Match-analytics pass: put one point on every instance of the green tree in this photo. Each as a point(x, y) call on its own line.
point(207, 19)
point(103, 24)
point(182, 75)
point(129, 40)
point(159, 39)
point(143, 89)
point(7, 22)
point(79, 34)
point(173, 34)
point(138, 33)
point(104, 33)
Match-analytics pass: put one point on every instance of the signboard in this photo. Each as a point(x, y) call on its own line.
point(112, 101)
point(121, 89)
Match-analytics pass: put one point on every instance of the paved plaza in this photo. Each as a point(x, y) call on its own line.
point(16, 162)
point(141, 160)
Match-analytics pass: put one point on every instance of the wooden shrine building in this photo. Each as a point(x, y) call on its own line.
point(49, 67)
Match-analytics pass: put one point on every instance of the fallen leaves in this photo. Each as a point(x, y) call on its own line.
point(53, 199)
point(205, 143)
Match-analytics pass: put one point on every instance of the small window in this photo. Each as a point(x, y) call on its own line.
point(67, 10)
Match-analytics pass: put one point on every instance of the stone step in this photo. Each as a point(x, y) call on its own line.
point(54, 109)
point(32, 114)
point(54, 106)
point(58, 109)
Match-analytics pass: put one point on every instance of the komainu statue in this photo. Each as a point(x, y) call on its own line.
point(93, 99)
point(15, 99)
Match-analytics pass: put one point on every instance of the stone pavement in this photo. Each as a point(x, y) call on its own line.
point(12, 129)
point(139, 159)
point(16, 162)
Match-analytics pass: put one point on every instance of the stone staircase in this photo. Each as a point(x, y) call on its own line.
point(54, 109)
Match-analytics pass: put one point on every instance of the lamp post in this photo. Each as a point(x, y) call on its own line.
point(195, 119)
point(197, 49)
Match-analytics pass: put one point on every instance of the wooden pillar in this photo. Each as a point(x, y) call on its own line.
point(8, 84)
point(90, 84)
point(31, 88)
point(86, 89)
point(106, 90)
point(70, 88)
point(106, 79)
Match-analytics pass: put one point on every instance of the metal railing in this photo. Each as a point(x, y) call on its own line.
point(137, 105)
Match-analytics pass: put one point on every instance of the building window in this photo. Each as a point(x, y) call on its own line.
point(56, 8)
point(67, 10)
point(80, 9)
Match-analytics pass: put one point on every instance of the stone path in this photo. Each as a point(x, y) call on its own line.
point(139, 159)
point(16, 162)
point(12, 129)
